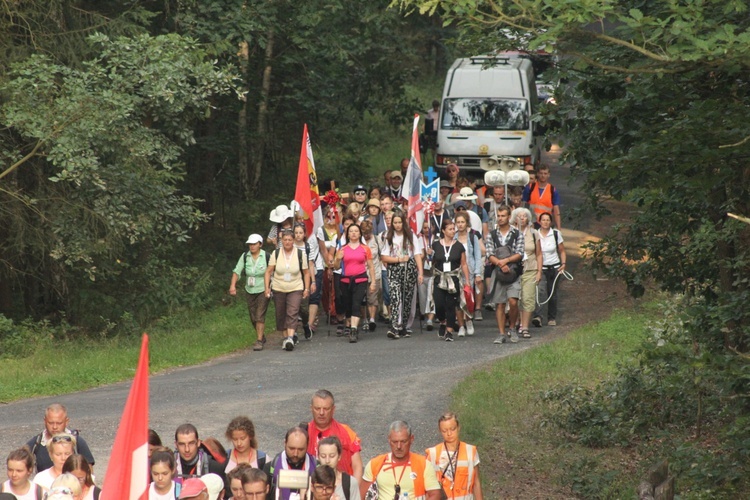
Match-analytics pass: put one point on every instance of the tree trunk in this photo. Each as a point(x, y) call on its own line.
point(262, 129)
point(242, 129)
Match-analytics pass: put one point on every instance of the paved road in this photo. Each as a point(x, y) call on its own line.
point(375, 382)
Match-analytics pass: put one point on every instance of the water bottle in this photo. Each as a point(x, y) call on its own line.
point(405, 495)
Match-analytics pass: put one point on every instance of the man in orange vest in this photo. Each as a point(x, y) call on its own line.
point(401, 471)
point(541, 196)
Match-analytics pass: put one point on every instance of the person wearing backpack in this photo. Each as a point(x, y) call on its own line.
point(553, 263)
point(253, 263)
point(541, 196)
point(505, 248)
point(20, 466)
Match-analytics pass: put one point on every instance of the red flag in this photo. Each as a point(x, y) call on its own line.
point(306, 193)
point(127, 476)
point(413, 183)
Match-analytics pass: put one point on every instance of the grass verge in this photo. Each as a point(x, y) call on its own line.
point(501, 411)
point(59, 367)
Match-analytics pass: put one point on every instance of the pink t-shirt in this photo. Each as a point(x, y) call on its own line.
point(355, 262)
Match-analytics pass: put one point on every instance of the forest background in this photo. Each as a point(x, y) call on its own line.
point(142, 140)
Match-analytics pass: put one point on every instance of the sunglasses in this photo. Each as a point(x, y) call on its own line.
point(460, 209)
point(58, 439)
point(360, 192)
point(58, 490)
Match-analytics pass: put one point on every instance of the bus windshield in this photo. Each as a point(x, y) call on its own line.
point(485, 114)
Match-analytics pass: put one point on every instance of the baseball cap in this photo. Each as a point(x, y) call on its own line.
point(396, 173)
point(445, 184)
point(358, 188)
point(214, 484)
point(192, 487)
point(254, 238)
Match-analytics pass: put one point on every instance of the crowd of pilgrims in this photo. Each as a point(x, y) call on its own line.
point(322, 459)
point(479, 248)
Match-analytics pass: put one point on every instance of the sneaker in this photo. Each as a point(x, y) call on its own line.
point(441, 331)
point(353, 336)
point(372, 325)
point(428, 325)
point(478, 315)
point(514, 336)
point(340, 330)
point(308, 332)
point(536, 321)
point(365, 327)
point(489, 307)
point(449, 336)
point(406, 333)
point(295, 339)
point(469, 327)
point(501, 339)
point(392, 334)
point(258, 346)
point(461, 332)
point(552, 322)
point(288, 344)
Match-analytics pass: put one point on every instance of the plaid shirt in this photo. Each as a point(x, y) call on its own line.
point(495, 234)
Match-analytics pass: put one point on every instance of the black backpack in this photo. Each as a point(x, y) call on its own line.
point(503, 252)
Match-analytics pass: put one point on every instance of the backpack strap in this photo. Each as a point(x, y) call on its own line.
point(261, 458)
point(39, 491)
point(346, 484)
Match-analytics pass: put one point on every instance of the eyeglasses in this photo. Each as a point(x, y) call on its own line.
point(324, 488)
point(64, 438)
point(397, 494)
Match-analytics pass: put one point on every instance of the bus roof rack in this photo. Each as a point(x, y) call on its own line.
point(489, 59)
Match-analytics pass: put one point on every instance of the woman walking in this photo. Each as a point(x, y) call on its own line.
point(402, 252)
point(253, 263)
point(289, 278)
point(456, 463)
point(473, 246)
point(532, 267)
point(355, 261)
point(553, 263)
point(448, 263)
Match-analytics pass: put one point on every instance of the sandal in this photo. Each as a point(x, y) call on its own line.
point(525, 333)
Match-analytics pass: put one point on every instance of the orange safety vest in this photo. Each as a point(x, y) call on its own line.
point(418, 464)
point(540, 203)
point(461, 487)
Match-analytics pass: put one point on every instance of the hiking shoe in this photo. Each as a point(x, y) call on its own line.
point(263, 340)
point(295, 339)
point(448, 336)
point(353, 336)
point(514, 336)
point(478, 315)
point(308, 332)
point(392, 334)
point(469, 327)
point(288, 344)
point(406, 333)
point(365, 327)
point(461, 332)
point(552, 322)
point(536, 321)
point(501, 339)
point(441, 331)
point(489, 307)
point(428, 325)
point(372, 325)
point(258, 346)
point(340, 330)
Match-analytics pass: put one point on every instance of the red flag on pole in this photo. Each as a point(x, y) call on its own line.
point(127, 475)
point(306, 193)
point(413, 183)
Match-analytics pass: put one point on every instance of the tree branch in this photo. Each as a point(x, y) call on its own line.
point(736, 144)
point(22, 160)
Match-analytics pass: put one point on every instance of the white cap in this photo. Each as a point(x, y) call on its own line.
point(254, 238)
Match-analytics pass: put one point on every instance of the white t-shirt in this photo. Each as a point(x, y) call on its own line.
point(549, 248)
point(45, 478)
point(153, 495)
point(30, 495)
point(398, 249)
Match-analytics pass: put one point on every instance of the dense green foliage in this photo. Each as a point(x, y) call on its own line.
point(653, 110)
point(142, 141)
